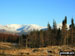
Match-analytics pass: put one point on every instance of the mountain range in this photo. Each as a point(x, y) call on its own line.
point(25, 28)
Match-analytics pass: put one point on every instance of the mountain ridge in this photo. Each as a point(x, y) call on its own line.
point(24, 28)
point(17, 28)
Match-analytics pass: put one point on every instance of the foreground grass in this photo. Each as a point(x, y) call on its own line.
point(6, 49)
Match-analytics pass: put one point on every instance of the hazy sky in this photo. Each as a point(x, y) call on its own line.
point(36, 11)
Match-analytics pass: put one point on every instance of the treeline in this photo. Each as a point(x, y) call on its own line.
point(49, 37)
point(53, 36)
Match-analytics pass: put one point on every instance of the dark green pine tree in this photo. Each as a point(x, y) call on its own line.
point(72, 21)
point(64, 31)
point(54, 25)
point(54, 32)
point(65, 21)
point(58, 38)
point(41, 38)
point(72, 31)
point(37, 39)
point(49, 27)
point(49, 35)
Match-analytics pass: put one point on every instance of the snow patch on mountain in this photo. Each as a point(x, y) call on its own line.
point(16, 28)
point(25, 28)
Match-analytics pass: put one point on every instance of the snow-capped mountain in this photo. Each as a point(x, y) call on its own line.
point(17, 28)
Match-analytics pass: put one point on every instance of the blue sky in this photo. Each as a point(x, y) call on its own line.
point(36, 11)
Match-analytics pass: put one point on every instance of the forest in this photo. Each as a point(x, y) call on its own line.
point(50, 37)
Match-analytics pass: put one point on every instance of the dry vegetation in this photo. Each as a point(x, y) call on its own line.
point(9, 49)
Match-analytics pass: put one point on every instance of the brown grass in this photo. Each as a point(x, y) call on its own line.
point(45, 51)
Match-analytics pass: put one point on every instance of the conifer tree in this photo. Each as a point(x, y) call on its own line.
point(49, 27)
point(64, 31)
point(54, 32)
point(58, 38)
point(54, 25)
point(41, 39)
point(49, 37)
point(72, 31)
